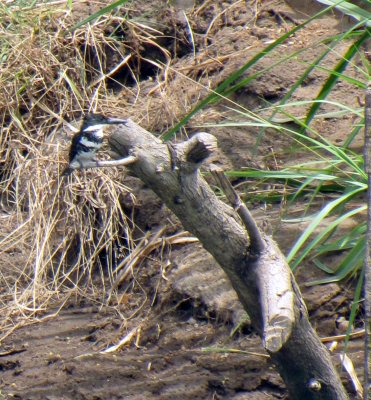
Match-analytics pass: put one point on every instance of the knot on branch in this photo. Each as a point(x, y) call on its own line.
point(199, 147)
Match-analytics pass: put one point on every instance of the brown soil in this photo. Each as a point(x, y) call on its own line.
point(179, 310)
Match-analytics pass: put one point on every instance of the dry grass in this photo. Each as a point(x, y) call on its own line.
point(57, 235)
point(67, 237)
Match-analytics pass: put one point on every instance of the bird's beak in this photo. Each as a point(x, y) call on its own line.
point(116, 121)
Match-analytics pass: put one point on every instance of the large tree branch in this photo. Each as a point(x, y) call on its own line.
point(262, 279)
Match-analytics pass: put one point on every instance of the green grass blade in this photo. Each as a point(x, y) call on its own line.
point(316, 221)
point(350, 264)
point(333, 41)
point(352, 135)
point(221, 89)
point(323, 267)
point(321, 236)
point(339, 152)
point(343, 108)
point(346, 242)
point(313, 143)
point(345, 78)
point(333, 78)
point(350, 9)
point(72, 85)
point(99, 13)
point(306, 185)
point(355, 304)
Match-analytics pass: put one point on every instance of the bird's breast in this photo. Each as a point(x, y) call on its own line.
point(90, 143)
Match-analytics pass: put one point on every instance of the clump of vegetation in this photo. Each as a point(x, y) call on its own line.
point(58, 231)
point(68, 236)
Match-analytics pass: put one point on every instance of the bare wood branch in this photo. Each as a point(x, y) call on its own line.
point(122, 162)
point(257, 244)
point(289, 338)
point(276, 294)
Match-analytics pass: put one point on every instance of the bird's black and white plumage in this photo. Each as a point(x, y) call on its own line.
point(88, 141)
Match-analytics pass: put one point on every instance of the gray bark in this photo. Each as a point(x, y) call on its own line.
point(255, 266)
point(367, 278)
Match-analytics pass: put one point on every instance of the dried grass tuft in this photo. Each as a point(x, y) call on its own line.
point(57, 235)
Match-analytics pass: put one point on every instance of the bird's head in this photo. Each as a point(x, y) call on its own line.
point(96, 122)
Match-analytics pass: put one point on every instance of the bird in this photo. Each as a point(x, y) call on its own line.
point(88, 140)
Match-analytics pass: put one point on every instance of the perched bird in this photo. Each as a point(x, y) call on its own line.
point(88, 141)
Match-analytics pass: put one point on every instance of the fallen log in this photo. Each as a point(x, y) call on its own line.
point(253, 262)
